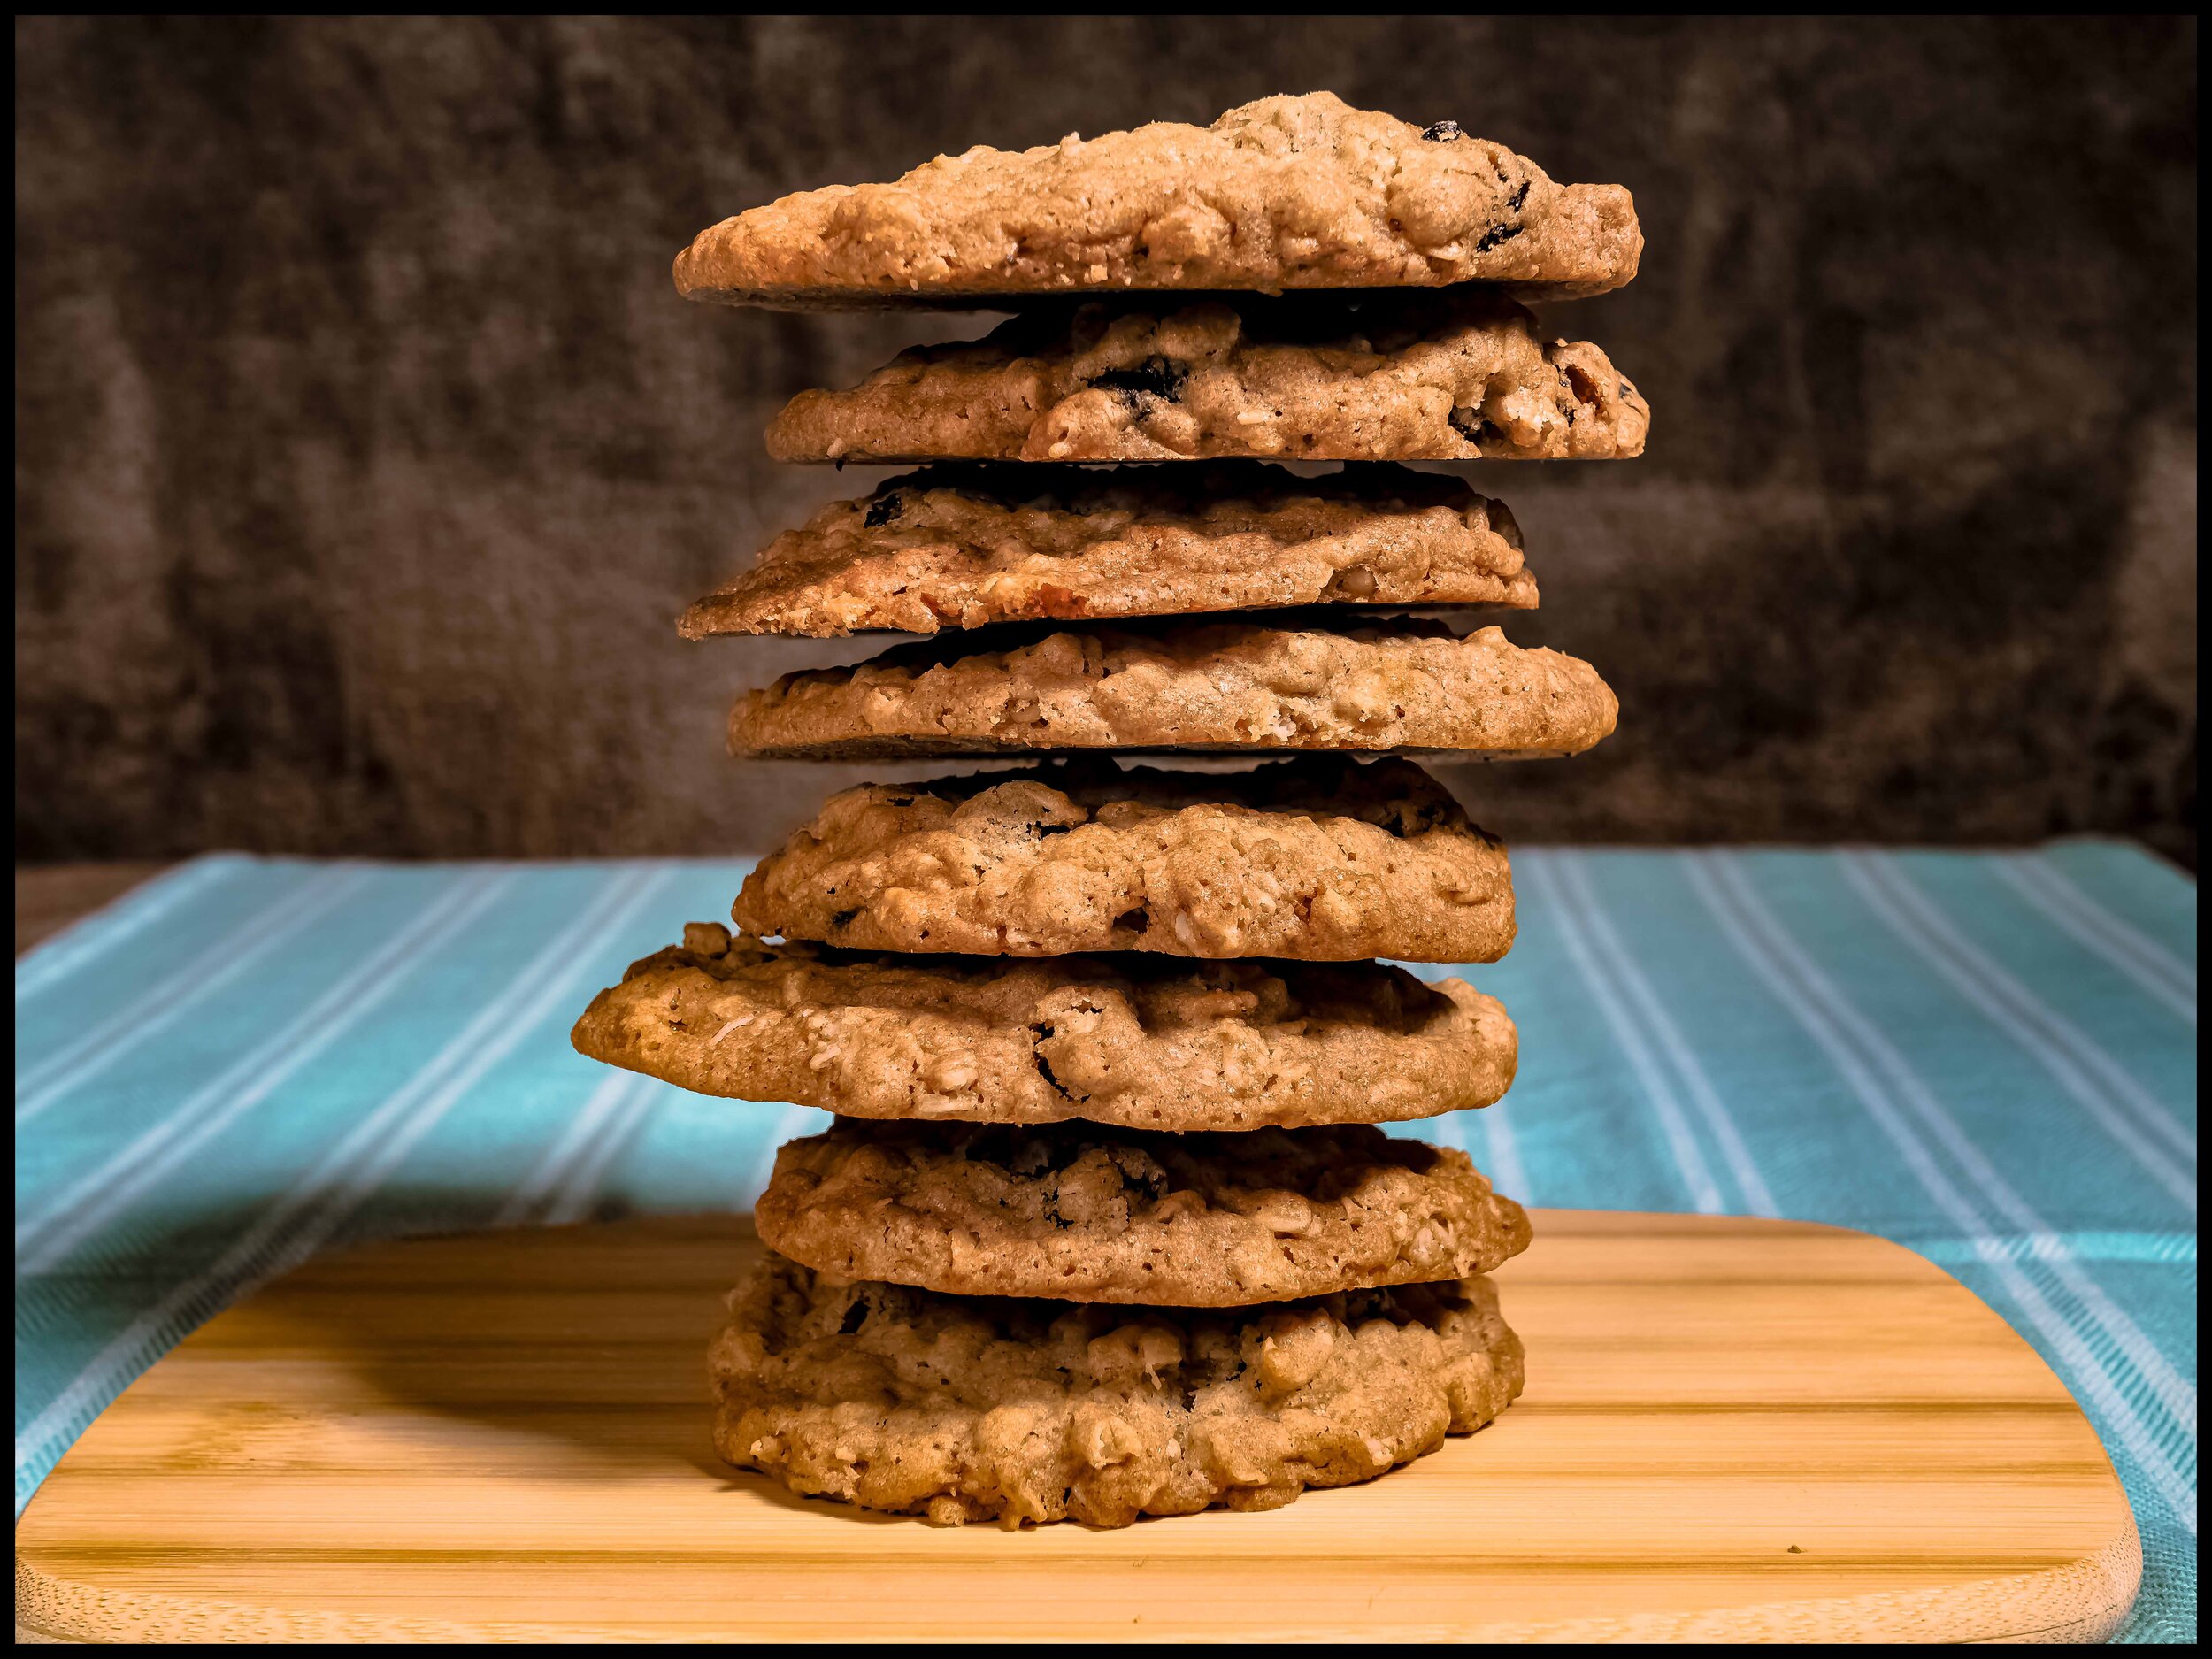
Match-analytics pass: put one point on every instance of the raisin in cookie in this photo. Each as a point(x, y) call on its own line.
point(1090, 1214)
point(963, 545)
point(1221, 686)
point(1281, 193)
point(968, 1408)
point(1413, 377)
point(1144, 1042)
point(1318, 859)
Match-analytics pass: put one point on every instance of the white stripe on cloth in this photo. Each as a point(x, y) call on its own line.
point(580, 1192)
point(1673, 1122)
point(1575, 877)
point(572, 1145)
point(1853, 1045)
point(1502, 1163)
point(38, 1086)
point(2177, 1395)
point(130, 916)
point(291, 1229)
point(1505, 1169)
point(789, 1122)
point(2159, 974)
point(2084, 1071)
point(97, 1198)
point(1506, 1177)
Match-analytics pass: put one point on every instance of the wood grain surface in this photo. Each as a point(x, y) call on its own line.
point(1733, 1429)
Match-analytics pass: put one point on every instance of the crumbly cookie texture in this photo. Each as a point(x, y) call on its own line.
point(1142, 1042)
point(963, 545)
point(1318, 859)
point(1402, 683)
point(966, 1409)
point(1413, 377)
point(1281, 193)
point(1090, 1214)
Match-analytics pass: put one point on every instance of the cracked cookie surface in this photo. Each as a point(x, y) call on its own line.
point(1090, 1214)
point(963, 1408)
point(1138, 1041)
point(966, 544)
point(1318, 859)
point(1400, 683)
point(1408, 377)
point(1280, 193)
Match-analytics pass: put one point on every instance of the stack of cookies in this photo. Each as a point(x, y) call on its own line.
point(1104, 1226)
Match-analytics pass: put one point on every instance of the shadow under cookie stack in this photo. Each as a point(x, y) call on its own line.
point(1104, 1226)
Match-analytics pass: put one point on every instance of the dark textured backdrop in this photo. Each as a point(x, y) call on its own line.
point(365, 454)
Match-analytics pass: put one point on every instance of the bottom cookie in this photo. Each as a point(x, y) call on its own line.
point(966, 1409)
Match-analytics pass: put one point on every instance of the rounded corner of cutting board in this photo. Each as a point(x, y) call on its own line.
point(1639, 1473)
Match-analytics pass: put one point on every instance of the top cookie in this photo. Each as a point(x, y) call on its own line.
point(1281, 193)
point(1458, 376)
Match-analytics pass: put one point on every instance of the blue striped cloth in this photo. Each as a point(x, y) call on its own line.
point(1990, 1058)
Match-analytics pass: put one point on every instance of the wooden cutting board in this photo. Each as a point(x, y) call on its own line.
point(1733, 1429)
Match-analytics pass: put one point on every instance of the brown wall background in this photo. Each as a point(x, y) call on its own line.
point(364, 456)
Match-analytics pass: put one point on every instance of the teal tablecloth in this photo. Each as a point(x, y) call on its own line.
point(1991, 1059)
